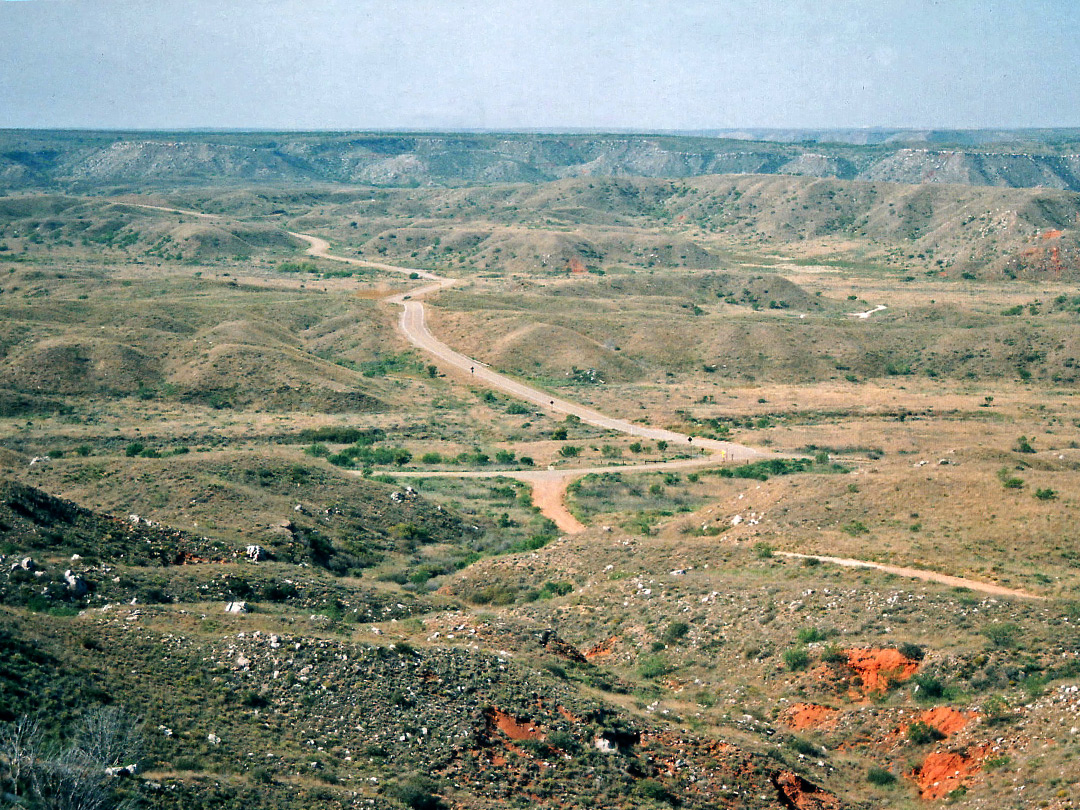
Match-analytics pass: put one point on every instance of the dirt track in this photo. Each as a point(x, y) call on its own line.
point(917, 573)
point(549, 486)
point(414, 328)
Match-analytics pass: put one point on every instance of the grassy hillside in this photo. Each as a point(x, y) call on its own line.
point(186, 425)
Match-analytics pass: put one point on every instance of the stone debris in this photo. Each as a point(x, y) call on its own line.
point(123, 770)
point(236, 607)
point(256, 553)
point(76, 584)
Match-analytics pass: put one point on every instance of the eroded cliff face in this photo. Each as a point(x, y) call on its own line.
point(45, 159)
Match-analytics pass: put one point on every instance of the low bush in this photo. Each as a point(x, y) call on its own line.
point(796, 658)
point(880, 776)
point(921, 733)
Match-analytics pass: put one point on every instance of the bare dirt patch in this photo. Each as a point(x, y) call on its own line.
point(944, 771)
point(878, 668)
point(802, 716)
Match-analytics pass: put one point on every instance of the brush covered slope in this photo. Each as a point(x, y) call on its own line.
point(248, 525)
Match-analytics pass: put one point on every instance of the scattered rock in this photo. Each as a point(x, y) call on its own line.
point(256, 553)
point(123, 770)
point(76, 584)
point(605, 746)
point(236, 607)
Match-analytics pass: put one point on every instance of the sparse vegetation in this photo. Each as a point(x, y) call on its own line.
point(257, 434)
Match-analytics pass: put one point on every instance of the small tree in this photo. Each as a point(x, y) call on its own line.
point(110, 736)
point(20, 744)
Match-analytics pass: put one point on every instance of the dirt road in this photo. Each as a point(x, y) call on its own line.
point(414, 328)
point(549, 486)
point(917, 573)
point(170, 210)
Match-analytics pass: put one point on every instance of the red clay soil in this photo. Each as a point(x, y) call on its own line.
point(601, 649)
point(880, 667)
point(512, 727)
point(796, 792)
point(1051, 234)
point(577, 266)
point(565, 712)
point(947, 720)
point(945, 771)
point(800, 716)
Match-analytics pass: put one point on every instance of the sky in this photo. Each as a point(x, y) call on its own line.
point(543, 64)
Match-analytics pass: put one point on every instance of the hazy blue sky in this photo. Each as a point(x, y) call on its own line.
point(596, 64)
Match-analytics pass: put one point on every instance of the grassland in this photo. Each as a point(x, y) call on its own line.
point(196, 387)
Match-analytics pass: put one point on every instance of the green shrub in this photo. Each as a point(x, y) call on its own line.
point(805, 747)
point(809, 635)
point(762, 550)
point(562, 740)
point(1023, 445)
point(796, 658)
point(928, 687)
point(417, 792)
point(134, 449)
point(922, 733)
point(1045, 494)
point(880, 776)
point(675, 632)
point(653, 667)
point(1002, 635)
point(654, 791)
point(832, 654)
point(553, 589)
point(996, 710)
point(912, 651)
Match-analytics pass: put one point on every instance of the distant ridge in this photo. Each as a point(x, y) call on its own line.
point(74, 160)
